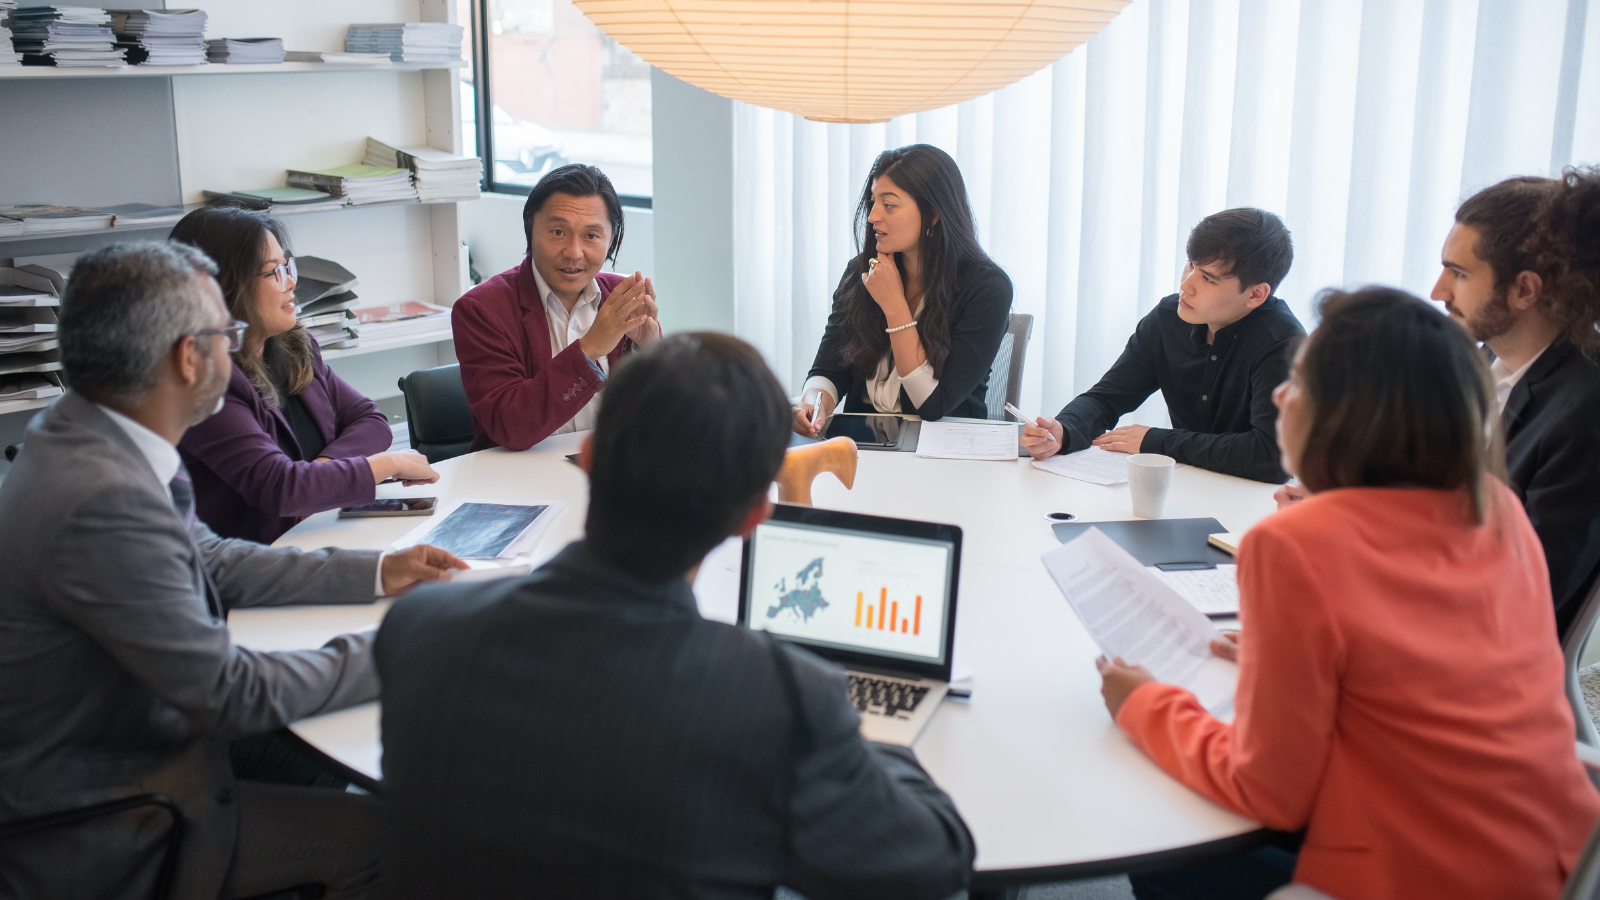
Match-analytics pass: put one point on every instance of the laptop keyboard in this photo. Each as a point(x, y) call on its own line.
point(883, 696)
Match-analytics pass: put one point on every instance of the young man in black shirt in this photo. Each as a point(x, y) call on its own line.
point(1215, 350)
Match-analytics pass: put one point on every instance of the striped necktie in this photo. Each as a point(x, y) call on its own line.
point(182, 487)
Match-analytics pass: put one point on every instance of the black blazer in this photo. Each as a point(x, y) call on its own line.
point(983, 310)
point(1552, 425)
point(582, 733)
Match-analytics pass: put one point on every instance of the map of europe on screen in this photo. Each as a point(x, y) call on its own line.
point(806, 597)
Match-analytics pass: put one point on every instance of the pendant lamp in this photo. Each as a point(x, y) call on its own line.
point(850, 60)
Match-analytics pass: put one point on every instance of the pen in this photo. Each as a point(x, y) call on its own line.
point(1018, 413)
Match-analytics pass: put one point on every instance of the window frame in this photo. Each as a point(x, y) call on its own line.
point(483, 124)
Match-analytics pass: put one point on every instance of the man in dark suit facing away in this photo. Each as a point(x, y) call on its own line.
point(584, 732)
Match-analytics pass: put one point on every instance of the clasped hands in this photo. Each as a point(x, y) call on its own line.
point(1118, 679)
point(629, 311)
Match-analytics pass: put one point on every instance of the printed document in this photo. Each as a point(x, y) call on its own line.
point(1093, 465)
point(968, 440)
point(478, 529)
point(1214, 592)
point(1133, 614)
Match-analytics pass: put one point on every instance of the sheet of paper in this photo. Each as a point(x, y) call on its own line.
point(1214, 592)
point(480, 529)
point(967, 440)
point(1093, 465)
point(1132, 614)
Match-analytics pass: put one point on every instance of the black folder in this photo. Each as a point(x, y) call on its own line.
point(1155, 542)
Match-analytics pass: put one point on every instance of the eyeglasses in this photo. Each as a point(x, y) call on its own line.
point(283, 274)
point(235, 333)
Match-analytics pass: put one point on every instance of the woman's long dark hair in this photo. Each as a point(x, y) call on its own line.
point(949, 241)
point(234, 238)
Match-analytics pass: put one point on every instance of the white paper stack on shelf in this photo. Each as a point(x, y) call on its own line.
point(366, 59)
point(9, 227)
point(28, 297)
point(152, 37)
point(47, 219)
point(244, 51)
point(401, 320)
point(358, 183)
point(412, 42)
point(439, 176)
point(8, 56)
point(26, 328)
point(65, 36)
point(323, 302)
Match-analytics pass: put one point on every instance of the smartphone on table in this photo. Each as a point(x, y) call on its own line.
point(403, 506)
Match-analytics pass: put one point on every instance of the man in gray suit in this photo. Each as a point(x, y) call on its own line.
point(583, 732)
point(117, 676)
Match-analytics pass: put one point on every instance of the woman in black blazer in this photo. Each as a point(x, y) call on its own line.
point(920, 312)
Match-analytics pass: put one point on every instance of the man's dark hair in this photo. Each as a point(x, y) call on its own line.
point(1503, 215)
point(1398, 396)
point(1565, 250)
point(690, 435)
point(1252, 243)
point(125, 307)
point(575, 180)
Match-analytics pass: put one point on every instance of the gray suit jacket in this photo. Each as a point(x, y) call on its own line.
point(117, 676)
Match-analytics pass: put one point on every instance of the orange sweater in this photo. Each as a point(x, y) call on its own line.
point(1400, 697)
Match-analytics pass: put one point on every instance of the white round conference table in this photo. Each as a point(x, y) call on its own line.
point(1049, 786)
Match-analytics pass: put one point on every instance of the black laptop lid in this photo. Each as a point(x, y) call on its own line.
point(866, 591)
point(1155, 542)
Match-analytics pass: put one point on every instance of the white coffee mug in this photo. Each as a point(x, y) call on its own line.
point(1149, 477)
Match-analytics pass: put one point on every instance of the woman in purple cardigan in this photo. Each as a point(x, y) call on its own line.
point(292, 438)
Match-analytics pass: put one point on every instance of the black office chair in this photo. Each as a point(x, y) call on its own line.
point(437, 413)
point(100, 832)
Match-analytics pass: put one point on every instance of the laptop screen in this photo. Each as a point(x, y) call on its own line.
point(854, 588)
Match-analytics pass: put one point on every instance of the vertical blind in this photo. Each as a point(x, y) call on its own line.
point(1363, 123)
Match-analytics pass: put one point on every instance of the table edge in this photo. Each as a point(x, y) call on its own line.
point(1121, 865)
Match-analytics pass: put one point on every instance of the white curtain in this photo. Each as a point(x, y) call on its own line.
point(1362, 124)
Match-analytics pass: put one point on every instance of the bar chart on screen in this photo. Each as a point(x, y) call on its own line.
point(889, 612)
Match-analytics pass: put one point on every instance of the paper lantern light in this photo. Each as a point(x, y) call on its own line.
point(850, 60)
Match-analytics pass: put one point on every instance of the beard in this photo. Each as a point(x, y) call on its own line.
point(214, 389)
point(1492, 319)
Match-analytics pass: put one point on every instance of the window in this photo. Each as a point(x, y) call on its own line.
point(558, 91)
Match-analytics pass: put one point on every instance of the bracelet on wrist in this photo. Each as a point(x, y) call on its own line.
point(910, 324)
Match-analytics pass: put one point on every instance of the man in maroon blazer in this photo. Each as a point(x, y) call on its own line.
point(536, 343)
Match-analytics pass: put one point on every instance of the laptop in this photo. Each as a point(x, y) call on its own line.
point(874, 594)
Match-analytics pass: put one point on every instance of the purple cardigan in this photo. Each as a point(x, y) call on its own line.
point(247, 480)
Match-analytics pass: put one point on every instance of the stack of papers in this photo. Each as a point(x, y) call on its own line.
point(412, 42)
point(1093, 465)
point(174, 37)
point(47, 219)
point(378, 59)
point(129, 215)
point(65, 36)
point(968, 440)
point(29, 386)
point(245, 51)
point(8, 56)
point(401, 319)
point(25, 286)
point(358, 184)
point(439, 176)
point(9, 227)
point(27, 328)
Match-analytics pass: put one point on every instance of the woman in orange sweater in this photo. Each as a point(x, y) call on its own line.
point(1400, 686)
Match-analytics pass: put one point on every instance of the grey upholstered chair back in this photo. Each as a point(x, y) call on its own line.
point(1572, 645)
point(437, 412)
point(1005, 376)
point(1583, 882)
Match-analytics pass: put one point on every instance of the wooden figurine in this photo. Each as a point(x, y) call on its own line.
point(802, 465)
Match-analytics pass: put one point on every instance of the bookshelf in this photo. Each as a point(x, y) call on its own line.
point(162, 135)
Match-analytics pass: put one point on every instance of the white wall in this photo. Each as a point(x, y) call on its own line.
point(693, 205)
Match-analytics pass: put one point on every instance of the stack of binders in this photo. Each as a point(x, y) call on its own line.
point(155, 38)
point(439, 176)
point(8, 55)
point(408, 42)
point(65, 36)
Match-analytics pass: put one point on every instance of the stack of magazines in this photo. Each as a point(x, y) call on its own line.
point(244, 51)
point(47, 219)
point(401, 319)
point(358, 184)
point(65, 36)
point(323, 301)
point(439, 176)
point(411, 42)
point(8, 55)
point(152, 37)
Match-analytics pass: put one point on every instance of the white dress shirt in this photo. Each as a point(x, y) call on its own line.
point(567, 327)
point(1505, 379)
point(883, 389)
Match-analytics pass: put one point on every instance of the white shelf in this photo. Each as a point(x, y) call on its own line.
point(214, 69)
point(276, 212)
point(394, 343)
point(15, 406)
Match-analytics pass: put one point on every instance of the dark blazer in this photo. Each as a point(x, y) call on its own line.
point(977, 325)
point(1552, 425)
point(251, 480)
point(580, 733)
point(117, 676)
point(518, 392)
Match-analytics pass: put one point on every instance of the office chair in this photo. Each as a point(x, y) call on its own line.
point(21, 841)
point(437, 413)
point(1005, 375)
point(1584, 881)
point(1577, 637)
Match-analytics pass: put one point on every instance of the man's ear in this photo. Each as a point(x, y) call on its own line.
point(186, 360)
point(1258, 295)
point(586, 453)
point(759, 513)
point(1526, 289)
